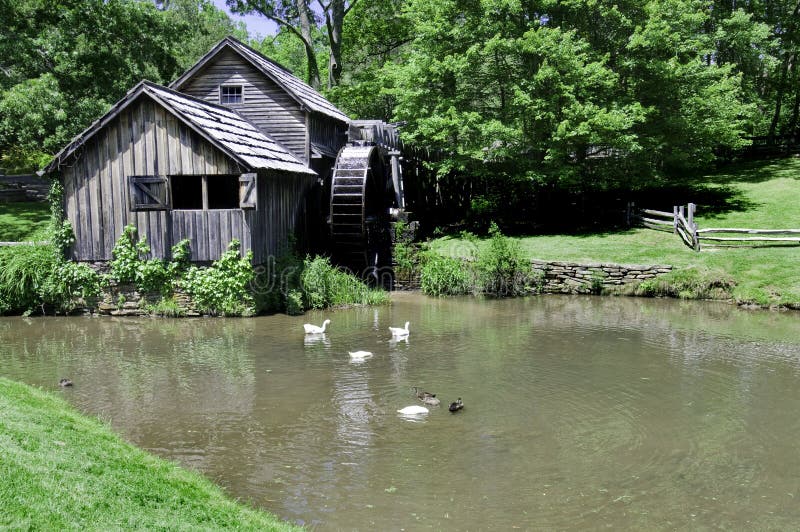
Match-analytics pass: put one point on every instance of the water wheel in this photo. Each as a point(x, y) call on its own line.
point(361, 196)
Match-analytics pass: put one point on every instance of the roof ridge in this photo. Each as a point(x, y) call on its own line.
point(224, 108)
point(247, 46)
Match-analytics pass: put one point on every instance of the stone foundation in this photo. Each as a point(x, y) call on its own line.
point(577, 278)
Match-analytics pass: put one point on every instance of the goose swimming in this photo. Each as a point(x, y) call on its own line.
point(310, 328)
point(400, 331)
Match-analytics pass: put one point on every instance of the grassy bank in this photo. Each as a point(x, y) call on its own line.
point(63, 470)
point(759, 195)
point(21, 221)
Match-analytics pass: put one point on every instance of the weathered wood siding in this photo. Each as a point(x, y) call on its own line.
point(281, 213)
point(265, 104)
point(144, 139)
point(327, 132)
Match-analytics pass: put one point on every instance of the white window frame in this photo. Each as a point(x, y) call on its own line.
point(231, 86)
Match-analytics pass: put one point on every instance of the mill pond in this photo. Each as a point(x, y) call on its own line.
point(579, 411)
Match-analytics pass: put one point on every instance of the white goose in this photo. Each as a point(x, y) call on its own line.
point(400, 331)
point(414, 410)
point(359, 355)
point(313, 329)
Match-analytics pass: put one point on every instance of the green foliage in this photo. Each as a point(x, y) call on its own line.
point(294, 302)
point(502, 268)
point(445, 276)
point(23, 273)
point(498, 269)
point(65, 64)
point(167, 307)
point(62, 236)
point(688, 283)
point(126, 262)
point(35, 279)
point(325, 286)
point(276, 279)
point(224, 287)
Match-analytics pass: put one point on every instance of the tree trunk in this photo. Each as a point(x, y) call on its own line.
point(334, 19)
point(308, 43)
point(779, 95)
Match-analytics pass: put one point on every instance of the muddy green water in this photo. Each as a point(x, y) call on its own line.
point(581, 412)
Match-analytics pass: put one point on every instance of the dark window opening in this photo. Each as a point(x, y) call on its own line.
point(230, 94)
point(187, 191)
point(223, 191)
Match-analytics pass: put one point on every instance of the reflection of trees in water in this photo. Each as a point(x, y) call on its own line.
point(140, 369)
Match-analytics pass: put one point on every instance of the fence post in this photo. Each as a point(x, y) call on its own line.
point(629, 213)
point(693, 227)
point(675, 219)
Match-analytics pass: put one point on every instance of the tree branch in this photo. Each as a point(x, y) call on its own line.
point(348, 8)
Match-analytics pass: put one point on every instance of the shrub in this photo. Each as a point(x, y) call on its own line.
point(24, 270)
point(294, 302)
point(274, 280)
point(167, 307)
point(35, 278)
point(688, 283)
point(502, 268)
point(324, 285)
point(444, 276)
point(315, 280)
point(223, 287)
point(126, 254)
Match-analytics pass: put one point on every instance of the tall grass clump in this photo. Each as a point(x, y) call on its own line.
point(502, 269)
point(445, 276)
point(324, 285)
point(497, 269)
point(688, 283)
point(38, 278)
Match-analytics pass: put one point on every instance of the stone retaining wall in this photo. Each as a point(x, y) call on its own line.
point(576, 278)
point(561, 277)
point(123, 299)
point(126, 300)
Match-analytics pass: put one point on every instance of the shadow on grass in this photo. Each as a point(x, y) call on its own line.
point(756, 171)
point(558, 212)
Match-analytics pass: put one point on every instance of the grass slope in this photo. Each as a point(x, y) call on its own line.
point(63, 470)
point(757, 195)
point(20, 221)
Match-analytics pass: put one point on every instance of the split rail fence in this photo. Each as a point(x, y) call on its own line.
point(681, 222)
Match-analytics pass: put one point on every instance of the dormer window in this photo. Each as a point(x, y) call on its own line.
point(230, 94)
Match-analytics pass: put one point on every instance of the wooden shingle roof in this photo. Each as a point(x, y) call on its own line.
point(300, 91)
point(223, 127)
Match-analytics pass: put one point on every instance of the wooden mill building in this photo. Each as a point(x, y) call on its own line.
point(237, 147)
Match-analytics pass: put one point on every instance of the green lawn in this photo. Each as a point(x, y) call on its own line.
point(760, 195)
point(20, 221)
point(62, 470)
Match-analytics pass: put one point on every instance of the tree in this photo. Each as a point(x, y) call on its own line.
point(63, 64)
point(298, 17)
point(375, 34)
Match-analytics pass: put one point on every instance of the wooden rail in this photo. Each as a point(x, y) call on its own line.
point(43, 243)
point(678, 221)
point(681, 222)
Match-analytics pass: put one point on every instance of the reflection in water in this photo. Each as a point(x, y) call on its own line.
point(581, 412)
point(320, 338)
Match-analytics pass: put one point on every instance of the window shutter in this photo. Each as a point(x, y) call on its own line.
point(148, 193)
point(248, 191)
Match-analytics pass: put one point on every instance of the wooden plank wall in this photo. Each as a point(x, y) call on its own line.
point(325, 131)
point(265, 104)
point(144, 139)
point(280, 213)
